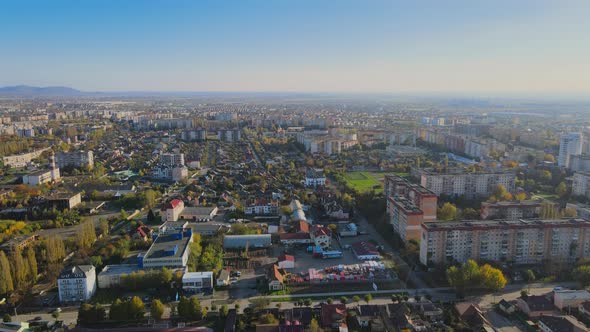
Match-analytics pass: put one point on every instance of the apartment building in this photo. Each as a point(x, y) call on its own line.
point(229, 135)
point(75, 159)
point(408, 206)
point(569, 145)
point(21, 160)
point(579, 163)
point(520, 241)
point(581, 184)
point(172, 159)
point(511, 210)
point(77, 284)
point(457, 182)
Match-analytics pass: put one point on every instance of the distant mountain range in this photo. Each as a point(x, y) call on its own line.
point(34, 91)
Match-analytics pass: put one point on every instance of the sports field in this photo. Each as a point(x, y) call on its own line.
point(362, 181)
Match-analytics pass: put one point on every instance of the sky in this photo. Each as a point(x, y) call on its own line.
point(365, 46)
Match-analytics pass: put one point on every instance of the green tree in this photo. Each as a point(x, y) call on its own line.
point(151, 217)
point(6, 318)
point(6, 282)
point(569, 212)
point(447, 212)
point(157, 309)
point(330, 300)
point(268, 318)
point(469, 213)
point(356, 299)
point(561, 189)
point(582, 275)
point(224, 311)
point(183, 307)
point(136, 308)
point(118, 311)
point(196, 311)
point(368, 298)
point(314, 326)
point(32, 261)
point(343, 299)
point(20, 269)
point(150, 198)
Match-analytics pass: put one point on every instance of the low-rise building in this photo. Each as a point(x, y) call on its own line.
point(234, 242)
point(193, 282)
point(286, 261)
point(42, 176)
point(315, 178)
point(77, 283)
point(561, 324)
point(198, 213)
point(110, 276)
point(365, 251)
point(535, 305)
point(62, 201)
point(169, 250)
point(567, 299)
point(223, 278)
point(276, 278)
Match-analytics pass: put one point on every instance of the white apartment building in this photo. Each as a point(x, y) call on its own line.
point(569, 144)
point(172, 159)
point(519, 241)
point(581, 184)
point(77, 284)
point(459, 183)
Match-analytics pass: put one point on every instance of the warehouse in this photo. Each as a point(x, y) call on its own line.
point(243, 241)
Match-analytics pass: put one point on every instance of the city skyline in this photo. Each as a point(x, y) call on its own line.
point(534, 48)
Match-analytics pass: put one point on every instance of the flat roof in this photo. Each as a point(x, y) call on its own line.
point(520, 223)
point(190, 275)
point(117, 269)
point(39, 172)
point(165, 243)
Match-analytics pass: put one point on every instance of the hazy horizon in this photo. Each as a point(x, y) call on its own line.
point(523, 49)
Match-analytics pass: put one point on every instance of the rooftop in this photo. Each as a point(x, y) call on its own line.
point(490, 224)
point(118, 269)
point(167, 246)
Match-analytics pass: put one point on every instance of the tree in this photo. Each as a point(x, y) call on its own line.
point(529, 276)
point(470, 276)
point(521, 196)
point(561, 189)
point(224, 310)
point(6, 318)
point(136, 308)
point(368, 298)
point(356, 299)
point(32, 261)
point(19, 269)
point(183, 307)
point(549, 157)
point(582, 275)
point(260, 303)
point(55, 314)
point(55, 249)
point(314, 326)
point(343, 299)
point(569, 212)
point(118, 311)
point(195, 310)
point(548, 210)
point(157, 309)
point(103, 226)
point(268, 318)
point(447, 212)
point(330, 300)
point(151, 217)
point(307, 302)
point(469, 213)
point(150, 198)
point(333, 228)
point(6, 283)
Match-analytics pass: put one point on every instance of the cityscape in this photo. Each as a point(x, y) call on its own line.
point(178, 166)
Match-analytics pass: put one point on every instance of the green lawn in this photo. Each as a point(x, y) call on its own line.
point(362, 181)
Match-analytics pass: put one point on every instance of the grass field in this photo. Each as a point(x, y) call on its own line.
point(362, 181)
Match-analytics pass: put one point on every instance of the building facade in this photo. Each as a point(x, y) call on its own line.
point(77, 284)
point(569, 145)
point(518, 241)
point(75, 159)
point(460, 183)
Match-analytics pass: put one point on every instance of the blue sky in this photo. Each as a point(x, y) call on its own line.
point(467, 46)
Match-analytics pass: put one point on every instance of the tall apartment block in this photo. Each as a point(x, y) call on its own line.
point(581, 184)
point(409, 205)
point(75, 158)
point(518, 241)
point(457, 182)
point(569, 145)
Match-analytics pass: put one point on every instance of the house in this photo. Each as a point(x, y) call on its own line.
point(276, 278)
point(333, 316)
point(171, 210)
point(430, 311)
point(564, 299)
point(506, 306)
point(365, 251)
point(301, 227)
point(584, 308)
point(560, 324)
point(335, 211)
point(535, 305)
point(77, 283)
point(291, 326)
point(321, 236)
point(367, 314)
point(143, 232)
point(223, 278)
point(471, 314)
point(286, 261)
point(315, 178)
point(198, 213)
point(304, 315)
point(193, 282)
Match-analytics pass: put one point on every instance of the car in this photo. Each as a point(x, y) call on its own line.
point(236, 274)
point(38, 318)
point(57, 310)
point(558, 288)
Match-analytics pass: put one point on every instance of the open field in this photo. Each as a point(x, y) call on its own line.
point(362, 181)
